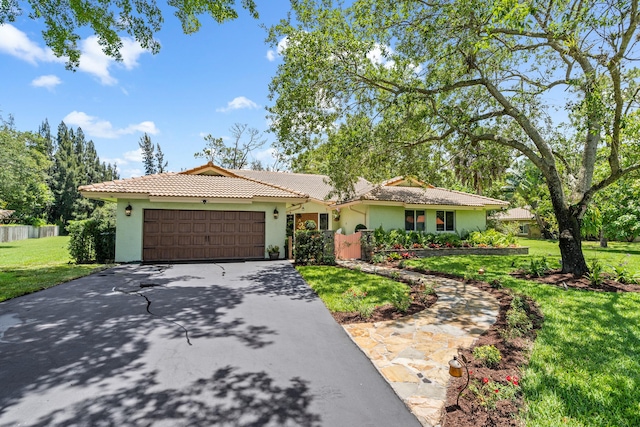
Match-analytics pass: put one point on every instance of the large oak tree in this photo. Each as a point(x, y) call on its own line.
point(379, 77)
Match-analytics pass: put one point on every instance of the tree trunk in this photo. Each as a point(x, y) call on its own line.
point(571, 244)
point(568, 230)
point(603, 240)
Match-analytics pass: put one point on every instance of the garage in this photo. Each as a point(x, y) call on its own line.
point(202, 235)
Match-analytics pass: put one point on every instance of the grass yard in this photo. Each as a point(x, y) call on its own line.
point(331, 283)
point(31, 265)
point(617, 253)
point(585, 365)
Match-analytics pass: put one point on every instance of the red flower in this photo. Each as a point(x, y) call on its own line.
point(497, 391)
point(509, 378)
point(515, 382)
point(485, 380)
point(470, 372)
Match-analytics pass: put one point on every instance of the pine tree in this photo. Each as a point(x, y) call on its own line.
point(63, 185)
point(45, 132)
point(161, 165)
point(148, 158)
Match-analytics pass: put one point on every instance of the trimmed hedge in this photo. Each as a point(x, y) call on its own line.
point(313, 247)
point(91, 241)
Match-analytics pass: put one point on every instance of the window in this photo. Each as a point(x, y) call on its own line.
point(324, 221)
point(445, 221)
point(414, 220)
point(524, 228)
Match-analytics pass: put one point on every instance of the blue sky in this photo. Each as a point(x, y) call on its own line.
point(198, 84)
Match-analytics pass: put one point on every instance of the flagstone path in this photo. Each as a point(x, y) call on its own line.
point(413, 353)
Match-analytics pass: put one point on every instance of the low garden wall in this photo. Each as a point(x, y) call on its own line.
point(22, 232)
point(429, 252)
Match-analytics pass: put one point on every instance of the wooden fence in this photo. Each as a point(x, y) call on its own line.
point(348, 246)
point(22, 232)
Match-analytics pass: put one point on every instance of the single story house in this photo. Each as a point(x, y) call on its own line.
point(212, 213)
point(524, 218)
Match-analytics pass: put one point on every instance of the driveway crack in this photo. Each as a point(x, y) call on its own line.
point(186, 331)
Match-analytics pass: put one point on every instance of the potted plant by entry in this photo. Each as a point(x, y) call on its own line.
point(273, 251)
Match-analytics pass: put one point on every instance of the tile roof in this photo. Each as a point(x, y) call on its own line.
point(514, 214)
point(428, 196)
point(316, 186)
point(210, 181)
point(180, 185)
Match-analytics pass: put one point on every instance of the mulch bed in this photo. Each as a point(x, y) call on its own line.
point(556, 277)
point(515, 352)
point(388, 311)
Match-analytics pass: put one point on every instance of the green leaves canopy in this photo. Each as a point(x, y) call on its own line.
point(108, 19)
point(23, 175)
point(380, 77)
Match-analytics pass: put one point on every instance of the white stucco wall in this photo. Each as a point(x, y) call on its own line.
point(468, 221)
point(352, 216)
point(387, 217)
point(129, 228)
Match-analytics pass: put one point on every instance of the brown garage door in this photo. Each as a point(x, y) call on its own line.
point(183, 235)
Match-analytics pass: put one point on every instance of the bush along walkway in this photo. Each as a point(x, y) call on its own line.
point(413, 353)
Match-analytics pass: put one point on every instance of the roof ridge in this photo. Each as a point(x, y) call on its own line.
point(293, 173)
point(469, 194)
point(281, 172)
point(279, 187)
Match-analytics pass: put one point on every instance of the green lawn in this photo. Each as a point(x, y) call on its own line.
point(615, 254)
point(585, 364)
point(330, 283)
point(30, 265)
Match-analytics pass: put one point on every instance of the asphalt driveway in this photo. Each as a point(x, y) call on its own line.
point(241, 344)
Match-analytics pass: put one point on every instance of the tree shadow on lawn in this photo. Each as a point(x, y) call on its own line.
point(227, 398)
point(98, 327)
point(599, 352)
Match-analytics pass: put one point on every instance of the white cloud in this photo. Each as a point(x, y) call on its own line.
point(92, 59)
point(133, 156)
point(16, 43)
point(95, 127)
point(282, 46)
point(378, 56)
point(238, 103)
point(130, 52)
point(48, 81)
point(130, 173)
point(266, 156)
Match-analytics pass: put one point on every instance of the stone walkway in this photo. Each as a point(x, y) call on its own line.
point(413, 353)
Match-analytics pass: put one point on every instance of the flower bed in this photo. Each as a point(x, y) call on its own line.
point(433, 252)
